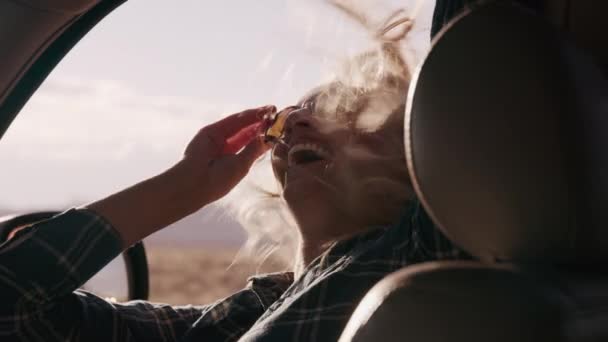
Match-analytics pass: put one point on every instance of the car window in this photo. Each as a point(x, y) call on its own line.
point(123, 104)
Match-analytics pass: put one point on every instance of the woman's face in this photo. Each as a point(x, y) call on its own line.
point(333, 173)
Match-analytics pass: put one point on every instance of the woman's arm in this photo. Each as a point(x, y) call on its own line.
point(208, 171)
point(42, 265)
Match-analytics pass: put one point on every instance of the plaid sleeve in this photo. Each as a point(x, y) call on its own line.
point(40, 271)
point(52, 258)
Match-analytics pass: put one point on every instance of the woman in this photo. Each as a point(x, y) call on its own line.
point(338, 156)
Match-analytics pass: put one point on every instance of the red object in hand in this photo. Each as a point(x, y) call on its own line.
point(236, 142)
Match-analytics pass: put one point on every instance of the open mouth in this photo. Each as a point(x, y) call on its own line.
point(303, 154)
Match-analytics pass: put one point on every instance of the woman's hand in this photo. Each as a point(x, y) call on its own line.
point(212, 153)
point(211, 166)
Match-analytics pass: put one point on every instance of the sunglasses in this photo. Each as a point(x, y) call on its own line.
point(274, 124)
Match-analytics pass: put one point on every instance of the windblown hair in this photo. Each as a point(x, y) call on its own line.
point(368, 92)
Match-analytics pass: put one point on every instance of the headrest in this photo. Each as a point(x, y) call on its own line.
point(507, 140)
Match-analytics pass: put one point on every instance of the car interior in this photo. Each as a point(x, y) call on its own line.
point(513, 103)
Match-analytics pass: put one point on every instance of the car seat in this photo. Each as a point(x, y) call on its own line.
point(507, 145)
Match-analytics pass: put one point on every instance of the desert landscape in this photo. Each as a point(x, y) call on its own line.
point(191, 262)
point(198, 275)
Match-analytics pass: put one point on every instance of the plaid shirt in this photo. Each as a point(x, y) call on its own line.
point(42, 268)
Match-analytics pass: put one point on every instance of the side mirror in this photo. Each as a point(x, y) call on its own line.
point(124, 278)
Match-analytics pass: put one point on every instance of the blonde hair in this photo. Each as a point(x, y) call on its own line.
point(373, 85)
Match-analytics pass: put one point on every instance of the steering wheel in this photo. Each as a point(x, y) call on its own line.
point(136, 263)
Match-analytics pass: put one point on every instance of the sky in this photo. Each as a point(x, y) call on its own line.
point(125, 101)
